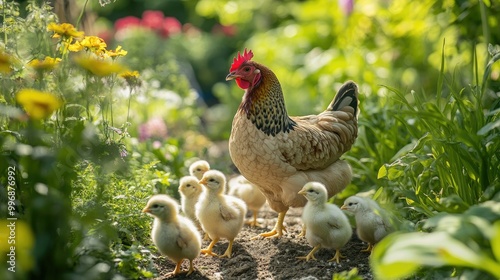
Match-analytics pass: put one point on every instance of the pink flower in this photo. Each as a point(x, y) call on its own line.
point(347, 6)
point(127, 22)
point(152, 20)
point(170, 26)
point(154, 128)
point(228, 30)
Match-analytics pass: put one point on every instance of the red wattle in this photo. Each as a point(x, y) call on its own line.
point(242, 83)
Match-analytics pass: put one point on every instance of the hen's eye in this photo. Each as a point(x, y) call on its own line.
point(246, 69)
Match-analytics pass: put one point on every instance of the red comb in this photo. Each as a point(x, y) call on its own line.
point(237, 61)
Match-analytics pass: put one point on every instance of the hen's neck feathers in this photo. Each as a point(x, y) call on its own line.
point(264, 104)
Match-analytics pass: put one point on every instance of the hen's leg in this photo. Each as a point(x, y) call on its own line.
point(278, 228)
point(208, 250)
point(311, 254)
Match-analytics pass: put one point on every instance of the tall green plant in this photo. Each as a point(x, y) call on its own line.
point(449, 175)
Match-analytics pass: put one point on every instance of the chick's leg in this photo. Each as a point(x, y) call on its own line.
point(177, 269)
point(369, 249)
point(208, 250)
point(278, 228)
point(303, 231)
point(311, 254)
point(229, 250)
point(253, 222)
point(191, 268)
point(337, 257)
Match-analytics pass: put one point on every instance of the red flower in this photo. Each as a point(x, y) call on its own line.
point(171, 26)
point(152, 20)
point(127, 22)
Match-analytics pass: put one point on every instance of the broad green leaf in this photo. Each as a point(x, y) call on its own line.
point(495, 241)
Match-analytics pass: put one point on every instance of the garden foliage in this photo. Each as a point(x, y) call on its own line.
point(91, 128)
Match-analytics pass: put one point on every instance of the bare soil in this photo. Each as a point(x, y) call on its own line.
point(271, 258)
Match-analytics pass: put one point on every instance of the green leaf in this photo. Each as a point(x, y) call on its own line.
point(382, 172)
point(495, 241)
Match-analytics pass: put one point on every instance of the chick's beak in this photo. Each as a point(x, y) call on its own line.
point(146, 210)
point(343, 207)
point(232, 76)
point(203, 181)
point(302, 192)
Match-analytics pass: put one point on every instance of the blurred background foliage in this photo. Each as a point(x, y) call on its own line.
point(428, 135)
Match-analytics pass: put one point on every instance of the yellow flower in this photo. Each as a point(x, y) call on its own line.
point(117, 52)
point(38, 104)
point(65, 30)
point(76, 47)
point(99, 67)
point(131, 77)
point(94, 44)
point(47, 64)
point(5, 63)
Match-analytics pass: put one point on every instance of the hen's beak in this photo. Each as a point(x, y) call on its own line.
point(146, 210)
point(302, 192)
point(232, 76)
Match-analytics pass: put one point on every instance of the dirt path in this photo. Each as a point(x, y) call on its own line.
point(272, 258)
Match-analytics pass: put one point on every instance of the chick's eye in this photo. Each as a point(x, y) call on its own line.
point(155, 205)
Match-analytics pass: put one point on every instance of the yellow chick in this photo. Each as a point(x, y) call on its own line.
point(190, 191)
point(371, 222)
point(198, 168)
point(175, 236)
point(327, 226)
point(240, 187)
point(220, 215)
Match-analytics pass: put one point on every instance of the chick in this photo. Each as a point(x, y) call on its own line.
point(198, 168)
point(371, 221)
point(240, 187)
point(174, 236)
point(190, 191)
point(327, 226)
point(220, 215)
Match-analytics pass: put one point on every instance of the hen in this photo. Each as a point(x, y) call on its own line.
point(279, 153)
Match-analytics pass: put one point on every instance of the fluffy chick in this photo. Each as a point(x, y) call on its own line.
point(371, 221)
point(327, 226)
point(175, 236)
point(220, 215)
point(190, 191)
point(240, 187)
point(198, 168)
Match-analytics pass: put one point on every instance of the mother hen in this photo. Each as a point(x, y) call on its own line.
point(279, 153)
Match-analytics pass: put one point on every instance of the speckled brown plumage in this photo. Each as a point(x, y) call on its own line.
point(280, 154)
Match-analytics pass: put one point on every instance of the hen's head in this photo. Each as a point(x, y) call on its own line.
point(244, 71)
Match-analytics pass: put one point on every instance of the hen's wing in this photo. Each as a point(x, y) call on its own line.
point(319, 140)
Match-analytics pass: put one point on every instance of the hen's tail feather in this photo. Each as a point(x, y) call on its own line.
point(346, 96)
